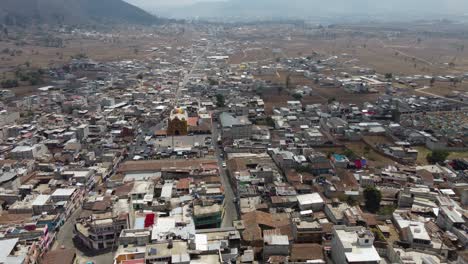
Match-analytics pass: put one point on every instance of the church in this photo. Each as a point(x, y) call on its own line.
point(178, 123)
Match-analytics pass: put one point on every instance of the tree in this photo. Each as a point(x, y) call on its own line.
point(432, 81)
point(372, 197)
point(389, 75)
point(348, 153)
point(297, 96)
point(220, 101)
point(213, 82)
point(352, 200)
point(9, 83)
point(367, 149)
point(280, 89)
point(437, 156)
point(288, 81)
point(270, 122)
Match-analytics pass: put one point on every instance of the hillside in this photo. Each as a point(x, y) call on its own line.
point(336, 9)
point(24, 12)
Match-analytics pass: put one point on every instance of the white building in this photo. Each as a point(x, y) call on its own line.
point(353, 245)
point(310, 201)
point(29, 152)
point(277, 245)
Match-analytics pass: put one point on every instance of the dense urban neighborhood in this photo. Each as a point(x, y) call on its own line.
point(212, 151)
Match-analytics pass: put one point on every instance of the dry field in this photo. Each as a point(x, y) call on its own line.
point(397, 55)
point(423, 152)
point(39, 56)
point(253, 54)
point(447, 89)
point(374, 158)
point(126, 47)
point(320, 94)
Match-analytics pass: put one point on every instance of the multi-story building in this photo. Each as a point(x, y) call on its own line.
point(235, 127)
point(208, 216)
point(101, 231)
point(353, 245)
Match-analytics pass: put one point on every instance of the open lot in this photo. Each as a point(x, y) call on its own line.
point(359, 148)
point(423, 152)
point(320, 94)
point(103, 48)
point(374, 159)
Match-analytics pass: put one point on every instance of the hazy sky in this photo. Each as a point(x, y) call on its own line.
point(167, 3)
point(397, 9)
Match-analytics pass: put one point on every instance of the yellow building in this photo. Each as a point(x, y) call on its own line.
point(178, 123)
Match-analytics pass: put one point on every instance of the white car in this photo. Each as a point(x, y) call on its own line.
point(224, 164)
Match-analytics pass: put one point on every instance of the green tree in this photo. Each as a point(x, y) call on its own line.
point(372, 197)
point(288, 81)
point(367, 149)
point(9, 83)
point(348, 153)
point(437, 156)
point(387, 210)
point(270, 122)
point(213, 82)
point(220, 101)
point(297, 96)
point(280, 89)
point(389, 75)
point(351, 200)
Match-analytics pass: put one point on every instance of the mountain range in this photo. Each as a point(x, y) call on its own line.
point(397, 9)
point(25, 12)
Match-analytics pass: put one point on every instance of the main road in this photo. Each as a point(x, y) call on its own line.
point(230, 209)
point(189, 73)
point(65, 238)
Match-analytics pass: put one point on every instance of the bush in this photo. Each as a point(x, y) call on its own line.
point(372, 197)
point(387, 210)
point(437, 156)
point(297, 96)
point(220, 101)
point(9, 83)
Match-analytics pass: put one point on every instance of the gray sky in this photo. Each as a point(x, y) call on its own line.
point(167, 3)
point(395, 9)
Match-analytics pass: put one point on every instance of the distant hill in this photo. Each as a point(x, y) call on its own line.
point(428, 9)
point(24, 12)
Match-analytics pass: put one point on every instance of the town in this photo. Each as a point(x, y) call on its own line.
point(228, 147)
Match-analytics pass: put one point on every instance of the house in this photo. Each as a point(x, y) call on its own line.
point(449, 218)
point(275, 245)
point(334, 125)
point(29, 152)
point(340, 161)
point(235, 127)
point(353, 245)
point(311, 201)
point(100, 231)
point(284, 159)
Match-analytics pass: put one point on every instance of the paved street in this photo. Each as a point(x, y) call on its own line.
point(230, 209)
point(65, 238)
